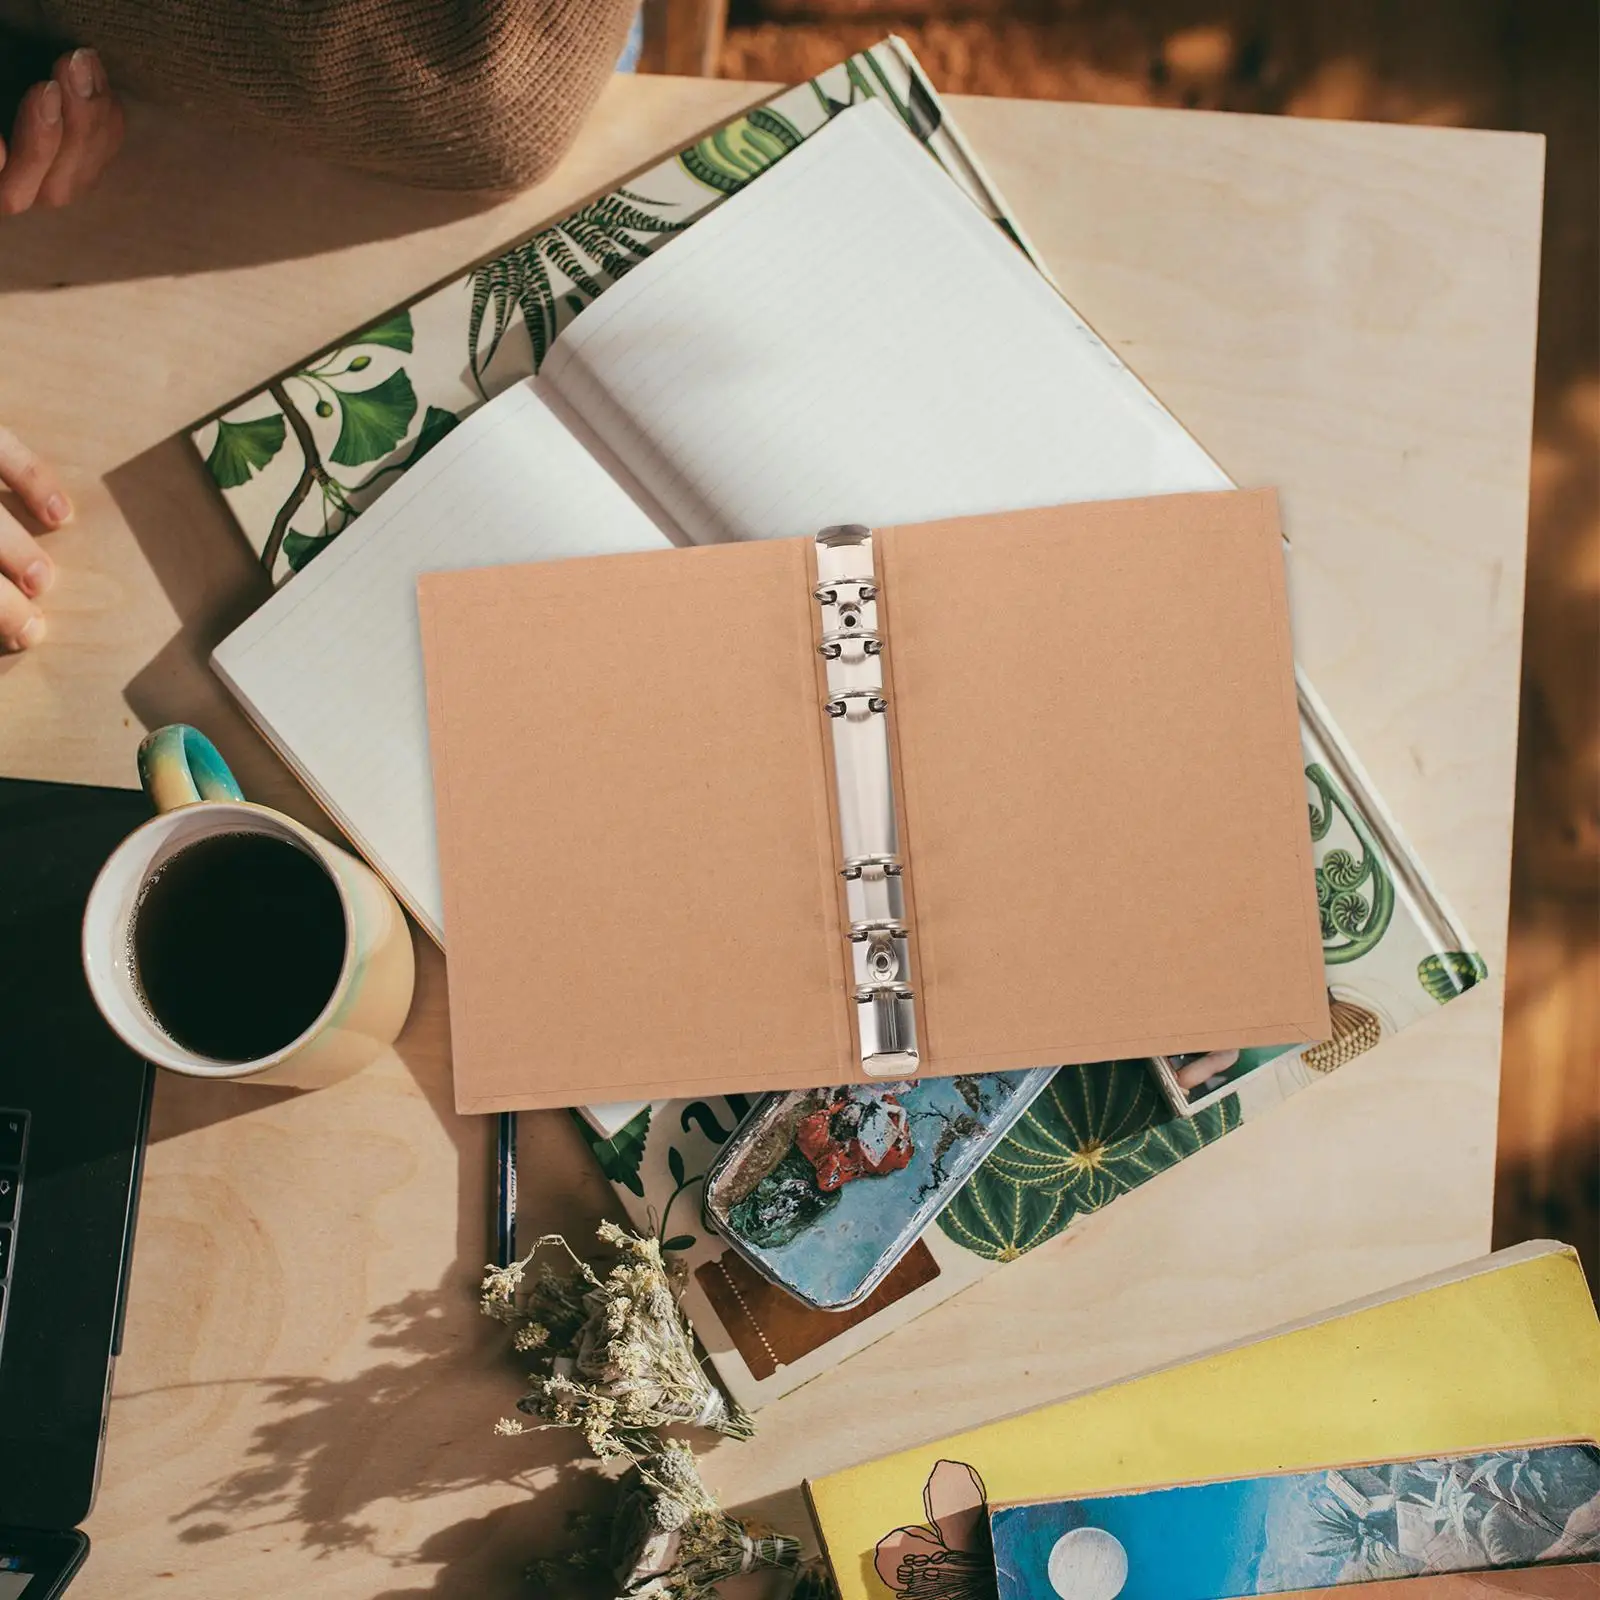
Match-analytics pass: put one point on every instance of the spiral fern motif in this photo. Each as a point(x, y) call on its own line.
point(1349, 913)
point(1341, 870)
point(1355, 893)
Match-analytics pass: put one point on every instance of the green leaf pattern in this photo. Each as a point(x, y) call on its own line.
point(729, 158)
point(1094, 1134)
point(373, 421)
point(1001, 1221)
point(300, 548)
point(620, 1155)
point(244, 448)
point(495, 324)
point(1448, 973)
point(435, 425)
point(553, 275)
point(395, 333)
point(1355, 892)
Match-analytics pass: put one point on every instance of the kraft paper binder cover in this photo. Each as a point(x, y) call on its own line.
point(638, 841)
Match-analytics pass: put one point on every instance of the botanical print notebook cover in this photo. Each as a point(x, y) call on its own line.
point(1305, 1530)
point(299, 459)
point(1393, 1378)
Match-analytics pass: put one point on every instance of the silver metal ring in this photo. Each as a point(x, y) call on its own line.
point(854, 866)
point(877, 928)
point(827, 592)
point(832, 646)
point(839, 702)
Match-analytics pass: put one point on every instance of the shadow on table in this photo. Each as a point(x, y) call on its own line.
point(487, 1557)
point(213, 582)
point(183, 1105)
point(338, 1453)
point(342, 1452)
point(242, 202)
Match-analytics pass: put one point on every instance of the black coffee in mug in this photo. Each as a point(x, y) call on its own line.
point(237, 942)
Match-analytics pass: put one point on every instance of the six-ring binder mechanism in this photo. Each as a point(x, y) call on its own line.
point(874, 876)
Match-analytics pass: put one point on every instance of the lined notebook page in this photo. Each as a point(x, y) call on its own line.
point(330, 668)
point(851, 340)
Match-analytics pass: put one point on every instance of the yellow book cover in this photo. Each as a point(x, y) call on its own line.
point(1502, 1351)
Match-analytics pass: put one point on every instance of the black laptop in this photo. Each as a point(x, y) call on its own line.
point(74, 1103)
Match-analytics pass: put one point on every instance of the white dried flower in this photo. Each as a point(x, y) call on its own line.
point(671, 1540)
point(617, 1354)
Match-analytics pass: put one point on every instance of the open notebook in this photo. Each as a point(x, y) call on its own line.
point(849, 339)
point(676, 868)
point(330, 667)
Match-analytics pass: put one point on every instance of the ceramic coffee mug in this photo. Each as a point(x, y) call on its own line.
point(196, 797)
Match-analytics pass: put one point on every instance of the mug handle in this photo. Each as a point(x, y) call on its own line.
point(179, 766)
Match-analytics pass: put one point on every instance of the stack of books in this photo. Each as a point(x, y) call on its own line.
point(1445, 1428)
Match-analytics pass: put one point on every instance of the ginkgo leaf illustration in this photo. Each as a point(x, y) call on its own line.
point(299, 548)
point(373, 421)
point(243, 449)
point(394, 333)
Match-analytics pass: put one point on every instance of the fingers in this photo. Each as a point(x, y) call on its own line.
point(66, 133)
point(21, 622)
point(35, 142)
point(23, 471)
point(25, 573)
point(1204, 1067)
point(91, 128)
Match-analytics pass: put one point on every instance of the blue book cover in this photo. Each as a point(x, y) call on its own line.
point(822, 1191)
point(1305, 1530)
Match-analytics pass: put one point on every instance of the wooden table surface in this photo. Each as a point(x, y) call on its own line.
point(305, 1401)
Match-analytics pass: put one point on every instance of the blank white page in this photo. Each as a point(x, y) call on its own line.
point(330, 668)
point(851, 340)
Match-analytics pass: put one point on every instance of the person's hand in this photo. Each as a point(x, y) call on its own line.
point(25, 570)
point(67, 129)
point(1205, 1067)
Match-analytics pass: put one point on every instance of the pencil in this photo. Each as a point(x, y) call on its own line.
point(505, 1208)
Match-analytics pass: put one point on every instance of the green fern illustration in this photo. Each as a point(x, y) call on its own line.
point(589, 250)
